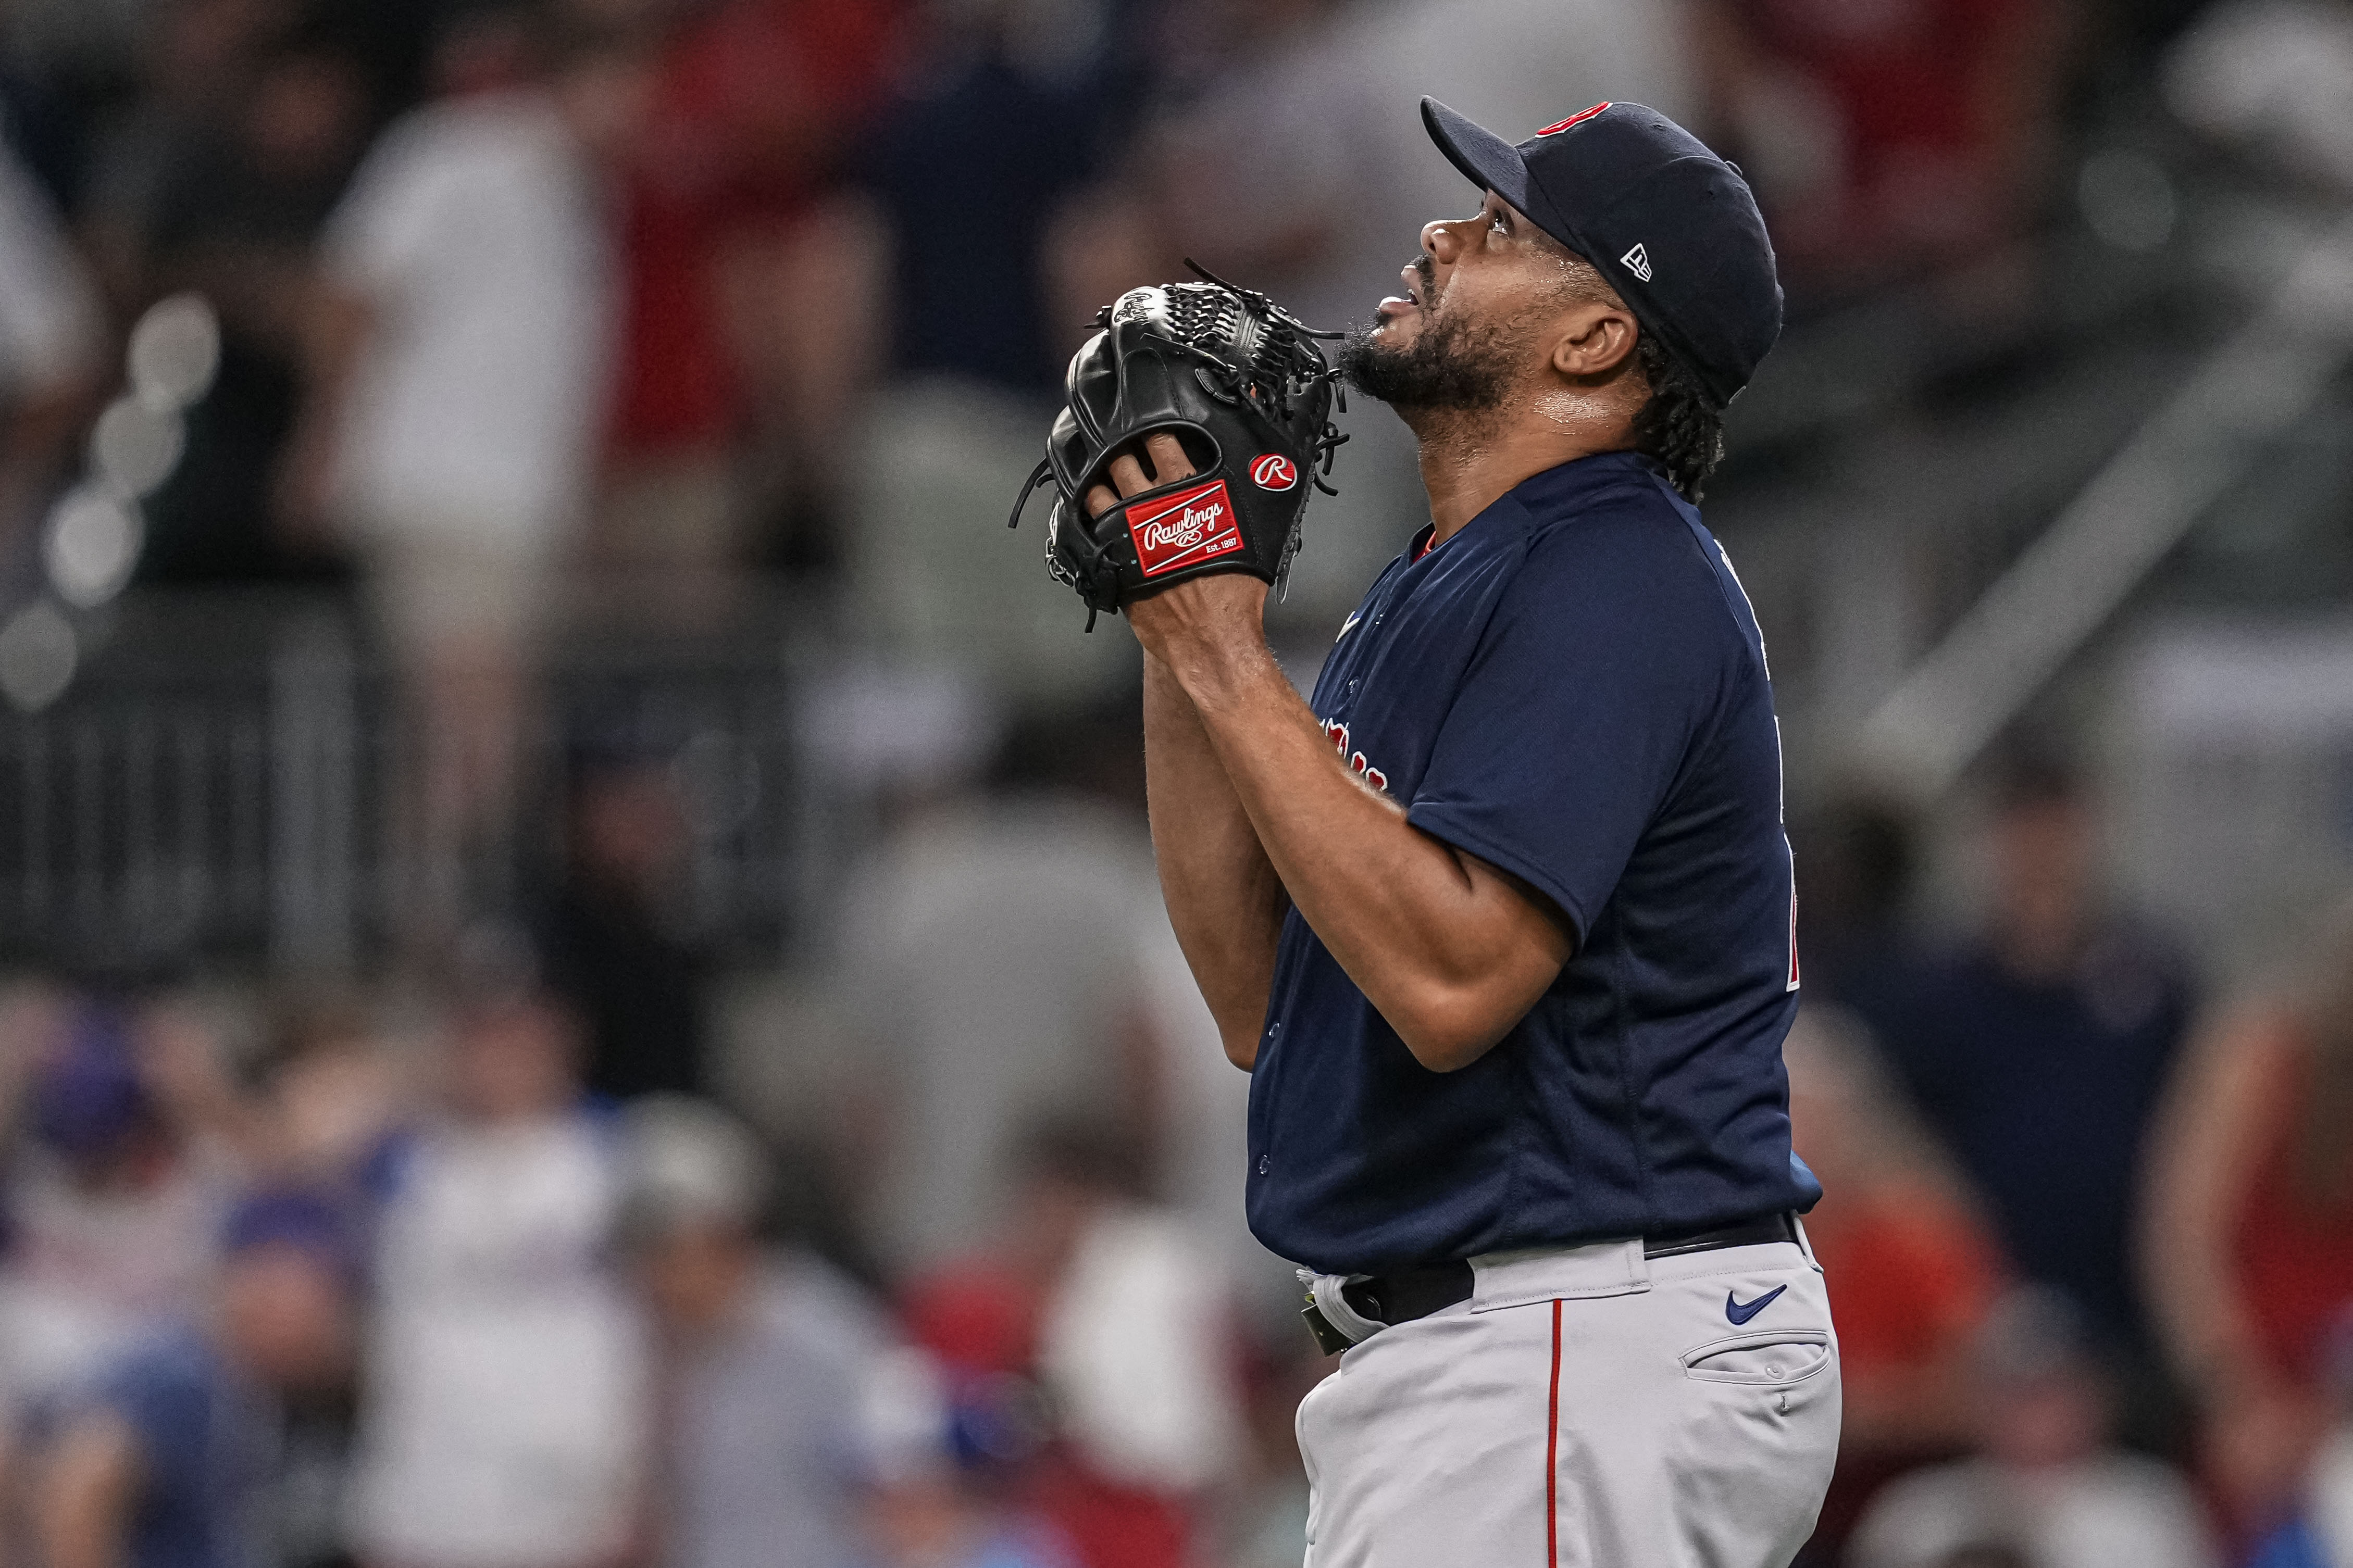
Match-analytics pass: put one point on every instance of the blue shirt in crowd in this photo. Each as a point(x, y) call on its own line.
point(2044, 1090)
point(1572, 689)
point(207, 1450)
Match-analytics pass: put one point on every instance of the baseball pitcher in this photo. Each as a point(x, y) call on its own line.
point(1500, 921)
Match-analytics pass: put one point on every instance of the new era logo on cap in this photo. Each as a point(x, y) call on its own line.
point(1637, 262)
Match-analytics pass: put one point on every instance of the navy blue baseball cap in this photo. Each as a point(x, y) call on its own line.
point(1674, 227)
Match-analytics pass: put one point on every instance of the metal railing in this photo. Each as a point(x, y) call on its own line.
point(216, 784)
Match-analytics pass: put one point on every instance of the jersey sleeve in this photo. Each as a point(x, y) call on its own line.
point(1606, 658)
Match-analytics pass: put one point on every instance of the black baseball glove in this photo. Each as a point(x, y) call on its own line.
point(1248, 394)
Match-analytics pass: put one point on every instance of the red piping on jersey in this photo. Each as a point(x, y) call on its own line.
point(1423, 541)
point(1552, 1453)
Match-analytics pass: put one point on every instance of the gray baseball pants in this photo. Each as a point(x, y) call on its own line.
point(1585, 1408)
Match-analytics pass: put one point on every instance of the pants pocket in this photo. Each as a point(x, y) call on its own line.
point(1770, 1358)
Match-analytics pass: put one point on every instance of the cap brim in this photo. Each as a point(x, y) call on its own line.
point(1486, 160)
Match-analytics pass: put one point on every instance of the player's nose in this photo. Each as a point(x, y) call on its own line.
point(1438, 239)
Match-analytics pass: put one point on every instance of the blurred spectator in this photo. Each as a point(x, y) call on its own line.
point(235, 210)
point(225, 1443)
point(113, 1200)
point(1858, 857)
point(333, 1102)
point(2038, 1049)
point(1911, 1267)
point(754, 104)
point(1010, 106)
point(505, 1380)
point(2045, 1484)
point(764, 1357)
point(613, 949)
point(945, 1520)
point(2248, 1235)
point(1893, 136)
point(944, 1467)
point(49, 327)
point(459, 352)
point(1005, 109)
point(197, 61)
point(991, 945)
point(1114, 1309)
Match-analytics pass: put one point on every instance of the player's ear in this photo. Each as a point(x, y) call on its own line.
point(1593, 339)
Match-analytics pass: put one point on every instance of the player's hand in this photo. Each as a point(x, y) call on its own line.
point(1227, 609)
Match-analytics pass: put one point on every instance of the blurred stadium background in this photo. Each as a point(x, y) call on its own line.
point(583, 982)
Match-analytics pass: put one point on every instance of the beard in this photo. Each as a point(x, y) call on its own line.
point(1452, 366)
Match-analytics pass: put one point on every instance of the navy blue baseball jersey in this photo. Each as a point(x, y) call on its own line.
point(1572, 689)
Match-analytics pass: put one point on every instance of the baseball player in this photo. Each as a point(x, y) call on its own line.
point(1500, 921)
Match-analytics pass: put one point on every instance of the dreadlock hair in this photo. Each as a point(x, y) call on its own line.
point(1679, 429)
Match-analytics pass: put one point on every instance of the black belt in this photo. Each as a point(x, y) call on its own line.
point(1409, 1293)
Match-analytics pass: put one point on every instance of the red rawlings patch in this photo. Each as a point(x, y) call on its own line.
point(1274, 472)
point(1184, 528)
point(1557, 126)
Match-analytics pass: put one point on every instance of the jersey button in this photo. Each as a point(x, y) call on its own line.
point(1263, 1161)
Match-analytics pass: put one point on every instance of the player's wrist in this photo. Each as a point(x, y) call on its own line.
point(1219, 666)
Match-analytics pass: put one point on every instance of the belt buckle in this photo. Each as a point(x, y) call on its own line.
point(1331, 1341)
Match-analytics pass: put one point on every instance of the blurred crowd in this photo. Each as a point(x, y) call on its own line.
point(543, 322)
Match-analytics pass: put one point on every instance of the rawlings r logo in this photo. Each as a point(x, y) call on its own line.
point(1184, 529)
point(1274, 472)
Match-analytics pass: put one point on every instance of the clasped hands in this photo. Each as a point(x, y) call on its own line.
point(1202, 619)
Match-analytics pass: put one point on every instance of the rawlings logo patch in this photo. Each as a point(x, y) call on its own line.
point(1183, 529)
point(1557, 126)
point(1274, 472)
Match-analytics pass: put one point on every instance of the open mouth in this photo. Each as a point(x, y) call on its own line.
point(1411, 299)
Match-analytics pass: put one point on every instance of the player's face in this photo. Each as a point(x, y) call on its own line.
point(1482, 270)
point(1467, 329)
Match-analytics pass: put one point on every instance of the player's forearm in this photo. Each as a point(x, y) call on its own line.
point(1224, 899)
point(1438, 945)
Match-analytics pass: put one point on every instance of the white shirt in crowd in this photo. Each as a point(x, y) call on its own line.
point(89, 1274)
point(473, 230)
point(768, 1444)
point(2113, 1511)
point(1136, 1347)
point(506, 1374)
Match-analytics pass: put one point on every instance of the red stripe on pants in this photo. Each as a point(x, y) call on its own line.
point(1552, 1453)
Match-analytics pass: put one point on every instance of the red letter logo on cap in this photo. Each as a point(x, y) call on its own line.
point(1560, 125)
point(1273, 472)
